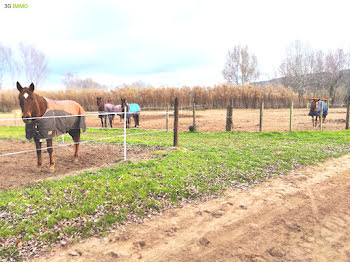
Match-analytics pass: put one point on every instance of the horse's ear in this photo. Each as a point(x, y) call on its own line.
point(31, 87)
point(19, 87)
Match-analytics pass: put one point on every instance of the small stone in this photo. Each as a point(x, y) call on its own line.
point(114, 255)
point(63, 242)
point(204, 241)
point(73, 254)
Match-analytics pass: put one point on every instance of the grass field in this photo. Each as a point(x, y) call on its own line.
point(205, 164)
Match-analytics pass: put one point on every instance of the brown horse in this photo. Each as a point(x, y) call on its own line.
point(108, 107)
point(315, 111)
point(102, 115)
point(132, 110)
point(37, 112)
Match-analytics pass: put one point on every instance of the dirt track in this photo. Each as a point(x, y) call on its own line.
point(304, 216)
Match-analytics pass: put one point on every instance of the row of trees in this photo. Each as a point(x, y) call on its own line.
point(26, 60)
point(306, 70)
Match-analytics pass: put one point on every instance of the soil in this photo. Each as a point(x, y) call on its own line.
point(19, 170)
point(215, 120)
point(304, 216)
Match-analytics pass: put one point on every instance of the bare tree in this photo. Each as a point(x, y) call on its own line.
point(298, 66)
point(7, 63)
point(336, 64)
point(71, 82)
point(34, 63)
point(241, 67)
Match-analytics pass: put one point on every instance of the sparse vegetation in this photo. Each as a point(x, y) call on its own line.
point(205, 164)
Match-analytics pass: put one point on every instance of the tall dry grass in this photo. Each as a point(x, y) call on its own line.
point(219, 96)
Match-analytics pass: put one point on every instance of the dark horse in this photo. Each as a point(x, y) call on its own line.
point(104, 109)
point(132, 110)
point(315, 111)
point(44, 126)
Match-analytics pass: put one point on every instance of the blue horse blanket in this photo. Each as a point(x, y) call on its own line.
point(318, 112)
point(134, 109)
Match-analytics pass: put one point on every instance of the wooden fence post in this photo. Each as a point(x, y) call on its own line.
point(321, 116)
point(261, 116)
point(291, 117)
point(176, 121)
point(167, 118)
point(194, 115)
point(229, 118)
point(347, 115)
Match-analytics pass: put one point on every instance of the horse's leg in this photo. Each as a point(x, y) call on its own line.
point(111, 120)
point(101, 118)
point(75, 134)
point(50, 151)
point(38, 154)
point(313, 121)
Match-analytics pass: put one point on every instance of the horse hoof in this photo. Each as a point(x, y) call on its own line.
point(37, 170)
point(51, 170)
point(75, 160)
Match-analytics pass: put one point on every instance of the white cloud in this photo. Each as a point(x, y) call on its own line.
point(174, 42)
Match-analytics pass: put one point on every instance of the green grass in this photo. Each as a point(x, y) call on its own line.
point(205, 164)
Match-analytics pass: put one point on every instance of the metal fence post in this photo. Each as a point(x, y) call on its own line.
point(176, 121)
point(347, 115)
point(291, 117)
point(125, 133)
point(167, 118)
point(321, 116)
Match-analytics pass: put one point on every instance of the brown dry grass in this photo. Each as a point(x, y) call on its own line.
point(219, 96)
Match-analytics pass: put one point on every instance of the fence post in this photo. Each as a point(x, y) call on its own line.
point(167, 118)
point(261, 116)
point(194, 115)
point(176, 121)
point(321, 116)
point(291, 117)
point(229, 118)
point(125, 133)
point(347, 115)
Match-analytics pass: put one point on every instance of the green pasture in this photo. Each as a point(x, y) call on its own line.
point(204, 164)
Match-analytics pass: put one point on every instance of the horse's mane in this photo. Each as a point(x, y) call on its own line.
point(40, 104)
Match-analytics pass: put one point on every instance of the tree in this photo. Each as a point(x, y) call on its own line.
point(34, 63)
point(7, 63)
point(298, 66)
point(70, 81)
point(315, 72)
point(241, 67)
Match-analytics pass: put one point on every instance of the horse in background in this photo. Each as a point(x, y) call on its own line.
point(315, 111)
point(46, 126)
point(132, 110)
point(107, 108)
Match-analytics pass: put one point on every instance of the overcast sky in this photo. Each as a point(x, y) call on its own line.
point(169, 43)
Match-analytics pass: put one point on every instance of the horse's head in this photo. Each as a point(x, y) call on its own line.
point(123, 100)
point(27, 101)
point(100, 104)
point(313, 105)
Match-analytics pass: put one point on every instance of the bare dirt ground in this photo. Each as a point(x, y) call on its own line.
point(19, 170)
point(304, 216)
point(243, 120)
point(215, 120)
